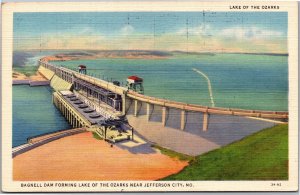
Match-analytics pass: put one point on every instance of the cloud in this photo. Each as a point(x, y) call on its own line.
point(127, 30)
point(61, 41)
point(236, 32)
point(86, 30)
point(202, 39)
point(253, 32)
point(201, 30)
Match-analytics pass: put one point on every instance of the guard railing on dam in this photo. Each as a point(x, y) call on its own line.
point(67, 75)
point(205, 109)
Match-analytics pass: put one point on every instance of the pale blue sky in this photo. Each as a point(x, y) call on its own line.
point(232, 31)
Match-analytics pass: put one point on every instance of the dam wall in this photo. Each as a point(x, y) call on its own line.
point(47, 73)
point(190, 139)
point(59, 84)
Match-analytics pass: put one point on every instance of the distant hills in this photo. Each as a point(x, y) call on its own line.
point(20, 57)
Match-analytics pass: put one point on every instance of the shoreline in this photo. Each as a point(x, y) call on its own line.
point(39, 140)
point(17, 76)
point(92, 55)
point(93, 160)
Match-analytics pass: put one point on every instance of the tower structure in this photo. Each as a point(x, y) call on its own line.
point(135, 83)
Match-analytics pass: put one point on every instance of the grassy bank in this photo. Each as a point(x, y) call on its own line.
point(173, 154)
point(96, 136)
point(261, 156)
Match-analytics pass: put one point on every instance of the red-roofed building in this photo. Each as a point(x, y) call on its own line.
point(135, 83)
point(134, 79)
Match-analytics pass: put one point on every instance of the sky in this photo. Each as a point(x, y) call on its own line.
point(253, 32)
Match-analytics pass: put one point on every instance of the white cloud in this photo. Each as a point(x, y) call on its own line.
point(86, 30)
point(205, 38)
point(127, 30)
point(249, 33)
point(202, 30)
point(236, 32)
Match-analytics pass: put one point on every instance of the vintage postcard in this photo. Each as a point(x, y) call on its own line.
point(149, 96)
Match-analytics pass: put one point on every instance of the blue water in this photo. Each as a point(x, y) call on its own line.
point(34, 113)
point(238, 80)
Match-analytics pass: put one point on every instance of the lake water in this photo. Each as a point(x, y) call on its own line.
point(34, 113)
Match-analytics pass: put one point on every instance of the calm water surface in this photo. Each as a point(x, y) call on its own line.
point(34, 113)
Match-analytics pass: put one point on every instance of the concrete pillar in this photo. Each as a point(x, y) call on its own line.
point(164, 115)
point(123, 104)
point(135, 107)
point(71, 119)
point(182, 119)
point(148, 111)
point(69, 115)
point(74, 120)
point(66, 116)
point(205, 121)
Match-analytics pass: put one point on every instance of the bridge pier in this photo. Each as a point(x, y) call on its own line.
point(149, 109)
point(74, 122)
point(68, 116)
point(73, 118)
point(123, 104)
point(164, 115)
point(205, 121)
point(182, 119)
point(135, 108)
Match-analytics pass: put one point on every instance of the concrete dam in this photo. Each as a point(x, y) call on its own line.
point(116, 113)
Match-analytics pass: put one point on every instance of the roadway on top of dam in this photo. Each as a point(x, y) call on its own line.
point(163, 102)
